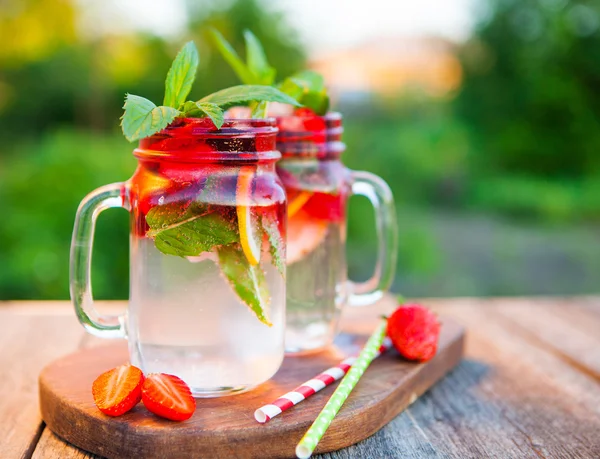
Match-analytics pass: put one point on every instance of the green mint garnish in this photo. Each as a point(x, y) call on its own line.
point(192, 228)
point(189, 231)
point(276, 243)
point(256, 69)
point(306, 87)
point(142, 118)
point(256, 60)
point(200, 109)
point(196, 228)
point(181, 76)
point(248, 281)
point(237, 95)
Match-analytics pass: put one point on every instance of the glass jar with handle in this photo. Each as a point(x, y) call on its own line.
point(207, 256)
point(318, 186)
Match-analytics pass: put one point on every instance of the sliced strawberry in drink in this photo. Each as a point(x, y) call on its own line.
point(304, 234)
point(168, 396)
point(118, 390)
point(304, 111)
point(330, 207)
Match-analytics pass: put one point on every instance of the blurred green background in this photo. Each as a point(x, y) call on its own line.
point(490, 143)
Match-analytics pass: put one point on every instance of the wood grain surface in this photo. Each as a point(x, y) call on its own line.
point(225, 427)
point(528, 387)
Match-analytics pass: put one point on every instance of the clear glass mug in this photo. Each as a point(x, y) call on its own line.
point(318, 186)
point(207, 256)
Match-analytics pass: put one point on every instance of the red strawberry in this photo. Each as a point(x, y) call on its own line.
point(414, 331)
point(168, 396)
point(118, 390)
point(325, 206)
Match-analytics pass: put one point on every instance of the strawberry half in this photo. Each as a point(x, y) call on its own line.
point(414, 331)
point(118, 390)
point(168, 396)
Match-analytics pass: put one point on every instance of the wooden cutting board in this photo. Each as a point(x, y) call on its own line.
point(225, 427)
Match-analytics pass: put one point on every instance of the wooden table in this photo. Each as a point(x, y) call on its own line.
point(529, 386)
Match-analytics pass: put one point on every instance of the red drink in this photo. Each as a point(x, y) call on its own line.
point(318, 186)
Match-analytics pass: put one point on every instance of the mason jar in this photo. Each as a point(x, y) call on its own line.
point(207, 255)
point(318, 186)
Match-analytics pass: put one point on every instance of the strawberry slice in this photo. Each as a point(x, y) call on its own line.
point(168, 396)
point(118, 390)
point(330, 207)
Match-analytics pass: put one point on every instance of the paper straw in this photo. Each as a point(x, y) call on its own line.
point(316, 431)
point(310, 387)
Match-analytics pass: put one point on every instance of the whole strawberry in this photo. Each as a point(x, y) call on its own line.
point(414, 331)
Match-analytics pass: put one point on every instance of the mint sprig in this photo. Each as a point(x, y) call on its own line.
point(248, 281)
point(306, 87)
point(195, 228)
point(191, 228)
point(256, 69)
point(189, 231)
point(237, 95)
point(181, 75)
point(142, 118)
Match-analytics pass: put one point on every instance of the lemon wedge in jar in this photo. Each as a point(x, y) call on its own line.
point(248, 238)
point(296, 203)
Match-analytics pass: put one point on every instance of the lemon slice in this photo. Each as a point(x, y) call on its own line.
point(248, 239)
point(296, 204)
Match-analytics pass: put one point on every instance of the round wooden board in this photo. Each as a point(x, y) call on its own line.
point(225, 427)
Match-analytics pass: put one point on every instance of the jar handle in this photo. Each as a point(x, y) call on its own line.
point(379, 194)
point(106, 197)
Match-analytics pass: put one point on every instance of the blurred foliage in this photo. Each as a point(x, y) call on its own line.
point(497, 186)
point(531, 99)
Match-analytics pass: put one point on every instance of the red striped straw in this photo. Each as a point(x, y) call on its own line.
point(310, 387)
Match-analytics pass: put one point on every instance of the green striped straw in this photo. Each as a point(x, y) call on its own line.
point(316, 431)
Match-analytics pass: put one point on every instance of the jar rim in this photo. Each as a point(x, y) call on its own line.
point(308, 135)
point(329, 116)
point(186, 140)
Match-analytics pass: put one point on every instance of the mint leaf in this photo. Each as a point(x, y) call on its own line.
point(190, 230)
point(308, 88)
point(256, 60)
point(276, 243)
point(213, 111)
point(311, 79)
point(248, 281)
point(181, 75)
point(232, 58)
point(259, 110)
point(199, 109)
point(142, 118)
point(238, 95)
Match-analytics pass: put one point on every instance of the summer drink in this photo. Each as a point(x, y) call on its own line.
point(317, 185)
point(192, 179)
point(207, 252)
